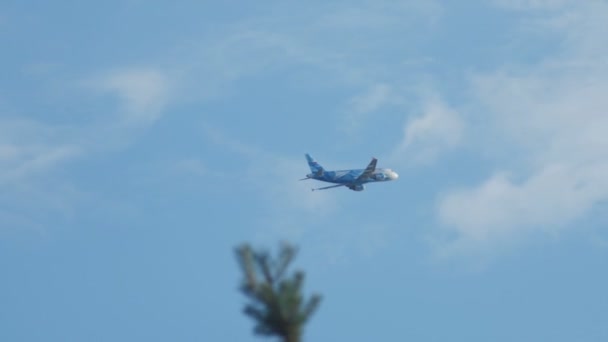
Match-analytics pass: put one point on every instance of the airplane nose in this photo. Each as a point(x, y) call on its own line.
point(394, 175)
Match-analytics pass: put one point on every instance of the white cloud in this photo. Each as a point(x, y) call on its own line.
point(366, 104)
point(553, 115)
point(375, 97)
point(439, 128)
point(439, 125)
point(144, 92)
point(546, 201)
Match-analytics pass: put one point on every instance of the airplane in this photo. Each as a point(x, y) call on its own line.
point(352, 179)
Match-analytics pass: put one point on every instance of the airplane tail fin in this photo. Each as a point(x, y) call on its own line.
point(315, 168)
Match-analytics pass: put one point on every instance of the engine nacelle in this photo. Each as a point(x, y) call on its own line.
point(357, 187)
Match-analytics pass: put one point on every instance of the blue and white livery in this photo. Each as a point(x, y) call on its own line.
point(352, 179)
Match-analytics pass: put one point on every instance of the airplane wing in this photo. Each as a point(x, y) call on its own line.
point(369, 170)
point(329, 187)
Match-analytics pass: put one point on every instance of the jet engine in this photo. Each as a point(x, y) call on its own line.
point(357, 187)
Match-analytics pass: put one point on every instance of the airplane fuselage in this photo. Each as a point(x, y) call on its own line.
point(352, 179)
point(350, 176)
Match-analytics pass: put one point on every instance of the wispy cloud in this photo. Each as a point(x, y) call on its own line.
point(288, 205)
point(378, 15)
point(297, 195)
point(35, 154)
point(284, 189)
point(31, 160)
point(547, 200)
point(553, 116)
point(28, 148)
point(31, 154)
point(339, 247)
point(363, 106)
point(144, 92)
point(325, 37)
point(375, 97)
point(437, 129)
point(522, 5)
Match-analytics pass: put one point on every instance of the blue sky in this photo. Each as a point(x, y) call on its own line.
point(141, 141)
